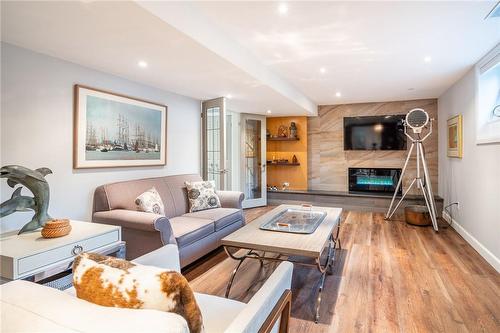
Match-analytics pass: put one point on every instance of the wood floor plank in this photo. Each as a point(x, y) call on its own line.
point(389, 277)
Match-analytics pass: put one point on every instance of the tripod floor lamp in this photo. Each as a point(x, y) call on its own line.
point(416, 120)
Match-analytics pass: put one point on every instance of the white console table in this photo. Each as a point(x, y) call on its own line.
point(29, 256)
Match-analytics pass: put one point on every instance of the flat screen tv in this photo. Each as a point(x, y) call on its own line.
point(374, 133)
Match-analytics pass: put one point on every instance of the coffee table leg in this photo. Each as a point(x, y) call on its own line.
point(323, 270)
point(337, 239)
point(233, 274)
point(318, 299)
point(249, 254)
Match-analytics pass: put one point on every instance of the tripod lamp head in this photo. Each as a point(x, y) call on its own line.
point(417, 119)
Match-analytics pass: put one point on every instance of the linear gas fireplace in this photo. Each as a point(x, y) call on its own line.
point(374, 180)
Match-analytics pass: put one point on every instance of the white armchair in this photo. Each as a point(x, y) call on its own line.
point(26, 306)
point(270, 303)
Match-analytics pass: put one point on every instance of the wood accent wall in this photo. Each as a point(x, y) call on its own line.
point(295, 175)
point(328, 162)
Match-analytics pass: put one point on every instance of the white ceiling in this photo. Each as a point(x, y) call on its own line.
point(113, 36)
point(371, 51)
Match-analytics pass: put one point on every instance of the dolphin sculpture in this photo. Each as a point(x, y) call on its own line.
point(17, 203)
point(34, 180)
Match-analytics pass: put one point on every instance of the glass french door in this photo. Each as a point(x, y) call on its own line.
point(234, 151)
point(214, 142)
point(253, 163)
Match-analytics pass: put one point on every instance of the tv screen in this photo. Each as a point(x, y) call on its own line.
point(374, 133)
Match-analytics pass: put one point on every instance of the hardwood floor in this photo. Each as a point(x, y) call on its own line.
point(389, 277)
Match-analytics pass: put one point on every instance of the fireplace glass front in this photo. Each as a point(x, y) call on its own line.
point(374, 180)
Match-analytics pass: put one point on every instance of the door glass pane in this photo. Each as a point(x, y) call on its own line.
point(253, 174)
point(213, 145)
point(228, 184)
point(232, 180)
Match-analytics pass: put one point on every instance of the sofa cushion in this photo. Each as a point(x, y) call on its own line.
point(178, 192)
point(202, 195)
point(150, 202)
point(190, 229)
point(114, 282)
point(222, 217)
point(122, 195)
point(29, 307)
point(217, 312)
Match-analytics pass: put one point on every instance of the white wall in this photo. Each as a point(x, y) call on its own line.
point(37, 129)
point(474, 180)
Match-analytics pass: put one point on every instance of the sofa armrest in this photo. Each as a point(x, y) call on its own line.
point(166, 257)
point(137, 220)
point(230, 199)
point(262, 304)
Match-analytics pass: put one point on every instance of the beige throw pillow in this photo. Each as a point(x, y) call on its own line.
point(113, 282)
point(202, 196)
point(150, 202)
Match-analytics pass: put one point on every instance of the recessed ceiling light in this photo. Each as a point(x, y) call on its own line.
point(283, 8)
point(229, 96)
point(142, 64)
point(427, 59)
point(322, 70)
point(338, 94)
point(268, 111)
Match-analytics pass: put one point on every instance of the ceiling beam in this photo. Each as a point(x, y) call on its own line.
point(187, 18)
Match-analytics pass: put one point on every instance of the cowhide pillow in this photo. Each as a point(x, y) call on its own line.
point(202, 196)
point(150, 202)
point(119, 283)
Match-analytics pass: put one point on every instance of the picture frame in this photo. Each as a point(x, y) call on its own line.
point(455, 139)
point(115, 130)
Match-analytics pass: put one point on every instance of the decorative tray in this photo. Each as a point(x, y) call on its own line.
point(295, 220)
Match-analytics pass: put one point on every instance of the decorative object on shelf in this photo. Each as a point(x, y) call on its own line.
point(113, 130)
point(293, 130)
point(282, 161)
point(268, 134)
point(283, 131)
point(284, 164)
point(285, 187)
point(295, 160)
point(277, 138)
point(56, 228)
point(33, 180)
point(455, 141)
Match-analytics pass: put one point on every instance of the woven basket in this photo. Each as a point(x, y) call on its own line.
point(56, 228)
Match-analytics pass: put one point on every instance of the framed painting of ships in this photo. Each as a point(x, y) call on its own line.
point(113, 130)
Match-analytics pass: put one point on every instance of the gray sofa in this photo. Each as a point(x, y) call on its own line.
point(195, 234)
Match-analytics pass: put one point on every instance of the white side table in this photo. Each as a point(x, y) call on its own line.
point(31, 257)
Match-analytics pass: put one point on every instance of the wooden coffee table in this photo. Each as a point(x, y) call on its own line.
point(288, 246)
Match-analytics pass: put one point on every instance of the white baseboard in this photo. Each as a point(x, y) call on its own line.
point(480, 248)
